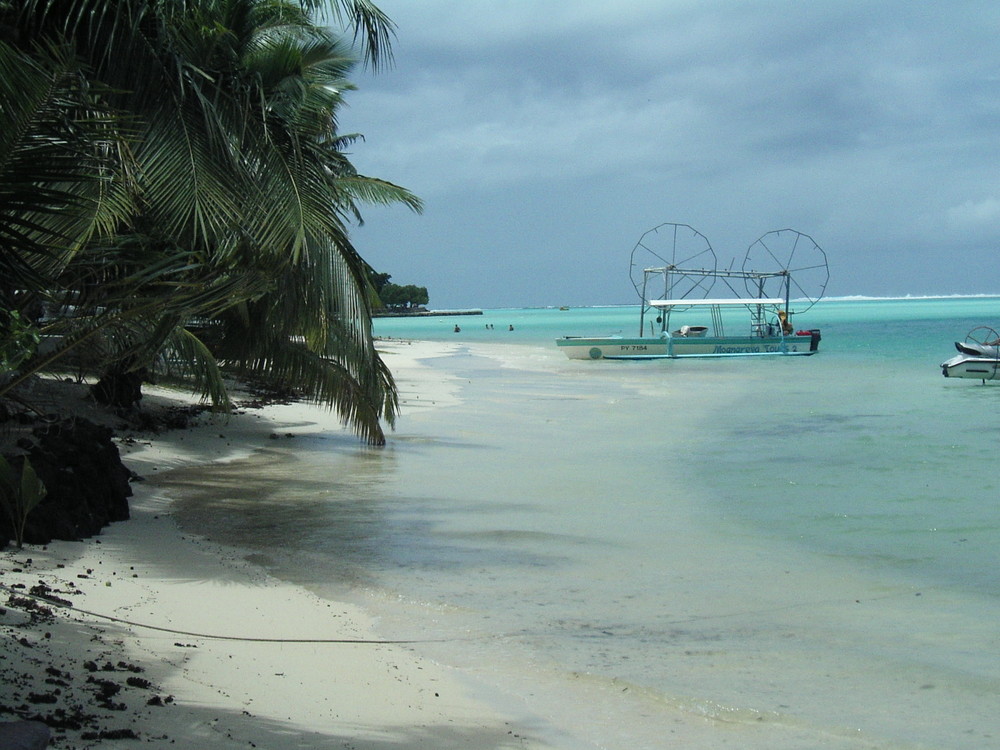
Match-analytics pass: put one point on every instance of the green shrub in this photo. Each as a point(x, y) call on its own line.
point(19, 495)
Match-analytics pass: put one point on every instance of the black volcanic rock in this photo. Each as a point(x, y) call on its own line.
point(87, 485)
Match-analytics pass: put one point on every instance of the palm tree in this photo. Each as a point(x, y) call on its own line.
point(219, 231)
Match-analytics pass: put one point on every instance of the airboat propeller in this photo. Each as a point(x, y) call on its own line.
point(788, 264)
point(667, 251)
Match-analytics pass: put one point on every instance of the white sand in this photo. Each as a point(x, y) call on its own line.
point(238, 658)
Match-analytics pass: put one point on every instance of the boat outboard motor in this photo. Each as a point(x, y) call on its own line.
point(814, 341)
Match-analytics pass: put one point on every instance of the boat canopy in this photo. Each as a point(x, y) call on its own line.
point(753, 301)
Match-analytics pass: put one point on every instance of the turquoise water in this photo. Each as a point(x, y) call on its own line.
point(541, 325)
point(753, 553)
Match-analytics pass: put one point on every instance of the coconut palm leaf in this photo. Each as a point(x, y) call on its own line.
point(361, 404)
point(185, 356)
point(57, 151)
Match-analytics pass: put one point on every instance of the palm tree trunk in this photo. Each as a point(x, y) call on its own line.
point(120, 385)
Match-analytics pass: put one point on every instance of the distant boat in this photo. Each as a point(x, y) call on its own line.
point(768, 328)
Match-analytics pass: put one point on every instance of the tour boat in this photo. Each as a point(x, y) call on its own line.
point(764, 334)
point(676, 323)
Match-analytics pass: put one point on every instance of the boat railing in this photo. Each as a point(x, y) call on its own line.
point(674, 287)
point(758, 307)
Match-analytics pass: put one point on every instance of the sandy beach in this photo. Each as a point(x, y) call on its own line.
point(150, 633)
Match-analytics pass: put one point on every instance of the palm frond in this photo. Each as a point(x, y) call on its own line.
point(369, 24)
point(187, 184)
point(360, 404)
point(186, 356)
point(373, 190)
point(57, 152)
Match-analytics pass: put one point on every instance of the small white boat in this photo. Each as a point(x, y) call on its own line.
point(978, 357)
point(764, 315)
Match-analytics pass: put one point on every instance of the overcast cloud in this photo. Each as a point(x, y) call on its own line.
point(546, 136)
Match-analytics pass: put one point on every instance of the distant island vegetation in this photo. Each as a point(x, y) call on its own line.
point(398, 298)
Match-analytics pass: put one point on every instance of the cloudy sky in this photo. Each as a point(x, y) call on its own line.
point(546, 136)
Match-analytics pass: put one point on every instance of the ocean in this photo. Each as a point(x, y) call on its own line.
point(788, 552)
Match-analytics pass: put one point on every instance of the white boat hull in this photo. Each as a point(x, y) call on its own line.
point(670, 347)
point(975, 368)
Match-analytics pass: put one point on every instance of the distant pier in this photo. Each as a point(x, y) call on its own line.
point(422, 313)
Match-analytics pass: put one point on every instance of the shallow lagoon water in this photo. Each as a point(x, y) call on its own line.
point(754, 553)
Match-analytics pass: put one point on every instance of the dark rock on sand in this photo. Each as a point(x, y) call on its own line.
point(87, 485)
